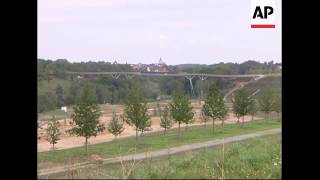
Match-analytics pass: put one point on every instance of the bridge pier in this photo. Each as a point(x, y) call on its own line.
point(129, 76)
point(191, 85)
point(115, 75)
point(202, 78)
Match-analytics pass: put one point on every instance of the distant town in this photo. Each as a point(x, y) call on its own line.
point(161, 67)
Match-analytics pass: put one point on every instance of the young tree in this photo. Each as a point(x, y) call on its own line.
point(158, 109)
point(189, 121)
point(165, 119)
point(53, 132)
point(181, 109)
point(144, 124)
point(85, 117)
point(241, 103)
point(253, 108)
point(277, 105)
point(266, 101)
point(136, 112)
point(203, 117)
point(214, 106)
point(115, 126)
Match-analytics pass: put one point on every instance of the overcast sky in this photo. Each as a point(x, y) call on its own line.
point(179, 31)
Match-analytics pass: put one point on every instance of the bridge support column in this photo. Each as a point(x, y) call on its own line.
point(202, 78)
point(191, 85)
point(129, 76)
point(115, 76)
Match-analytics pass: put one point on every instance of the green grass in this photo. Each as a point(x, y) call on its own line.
point(154, 141)
point(258, 158)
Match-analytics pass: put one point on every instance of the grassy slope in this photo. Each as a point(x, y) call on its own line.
point(259, 158)
point(155, 141)
point(272, 82)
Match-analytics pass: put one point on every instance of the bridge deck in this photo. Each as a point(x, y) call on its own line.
point(170, 75)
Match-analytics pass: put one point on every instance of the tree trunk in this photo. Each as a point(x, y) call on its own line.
point(252, 118)
point(179, 130)
point(136, 135)
point(242, 120)
point(222, 123)
point(164, 132)
point(212, 126)
point(53, 146)
point(86, 145)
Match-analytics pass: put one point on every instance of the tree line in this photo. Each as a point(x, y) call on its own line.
point(85, 118)
point(112, 91)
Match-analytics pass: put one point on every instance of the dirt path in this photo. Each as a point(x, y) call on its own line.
point(240, 85)
point(67, 141)
point(162, 152)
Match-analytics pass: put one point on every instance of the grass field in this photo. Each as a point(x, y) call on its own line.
point(259, 158)
point(153, 141)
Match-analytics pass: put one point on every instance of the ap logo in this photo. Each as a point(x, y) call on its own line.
point(263, 14)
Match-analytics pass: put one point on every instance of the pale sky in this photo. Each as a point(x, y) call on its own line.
point(133, 31)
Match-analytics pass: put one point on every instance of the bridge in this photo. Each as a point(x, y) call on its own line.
point(189, 76)
point(115, 74)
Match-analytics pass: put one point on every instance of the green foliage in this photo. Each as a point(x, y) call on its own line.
point(108, 90)
point(53, 132)
point(277, 107)
point(165, 119)
point(214, 106)
point(136, 111)
point(72, 93)
point(115, 126)
point(247, 67)
point(180, 108)
point(266, 101)
point(169, 85)
point(158, 109)
point(253, 107)
point(46, 102)
point(85, 117)
point(60, 94)
point(203, 117)
point(242, 102)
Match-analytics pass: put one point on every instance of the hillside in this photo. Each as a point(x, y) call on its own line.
point(56, 88)
point(269, 82)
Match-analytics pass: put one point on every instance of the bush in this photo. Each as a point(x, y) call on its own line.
point(46, 102)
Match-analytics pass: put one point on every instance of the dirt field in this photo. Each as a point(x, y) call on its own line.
point(67, 141)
